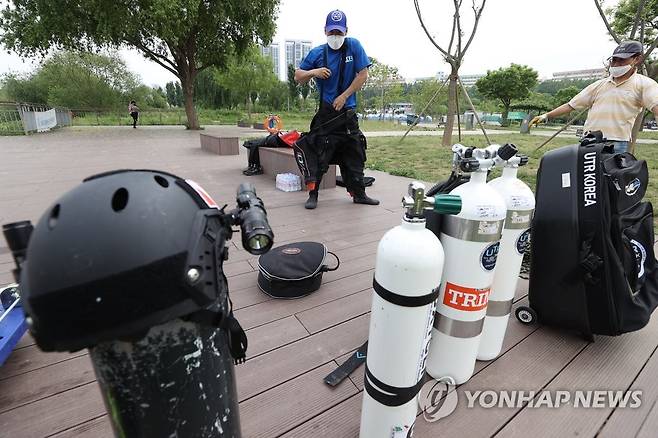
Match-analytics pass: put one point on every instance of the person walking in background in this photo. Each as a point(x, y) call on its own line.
point(133, 109)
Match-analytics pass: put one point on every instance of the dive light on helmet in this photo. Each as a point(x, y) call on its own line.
point(17, 235)
point(257, 236)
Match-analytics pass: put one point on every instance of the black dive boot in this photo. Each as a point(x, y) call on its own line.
point(312, 200)
point(360, 197)
point(254, 170)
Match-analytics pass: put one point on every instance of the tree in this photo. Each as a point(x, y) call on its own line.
point(275, 96)
point(147, 97)
point(453, 56)
point(564, 95)
point(637, 17)
point(293, 86)
point(553, 86)
point(171, 94)
point(421, 93)
point(383, 78)
point(78, 80)
point(179, 94)
point(640, 14)
point(247, 76)
point(25, 88)
point(304, 90)
point(507, 84)
point(209, 92)
point(538, 102)
point(182, 36)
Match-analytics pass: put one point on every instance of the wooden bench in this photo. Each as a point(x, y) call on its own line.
point(282, 160)
point(220, 145)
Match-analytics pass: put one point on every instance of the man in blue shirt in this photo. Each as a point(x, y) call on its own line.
point(340, 68)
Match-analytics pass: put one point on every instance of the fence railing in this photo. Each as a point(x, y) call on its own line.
point(102, 117)
point(23, 118)
point(10, 119)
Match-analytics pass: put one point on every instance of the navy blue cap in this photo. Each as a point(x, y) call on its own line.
point(336, 20)
point(627, 49)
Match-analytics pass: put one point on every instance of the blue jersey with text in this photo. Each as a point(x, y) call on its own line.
point(355, 61)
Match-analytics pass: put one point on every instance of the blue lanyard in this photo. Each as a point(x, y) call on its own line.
point(341, 68)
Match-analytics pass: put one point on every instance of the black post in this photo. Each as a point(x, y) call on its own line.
point(176, 381)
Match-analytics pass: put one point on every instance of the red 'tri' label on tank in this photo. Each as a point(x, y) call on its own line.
point(204, 195)
point(465, 298)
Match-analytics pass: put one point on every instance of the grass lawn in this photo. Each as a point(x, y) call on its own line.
point(291, 120)
point(652, 135)
point(425, 159)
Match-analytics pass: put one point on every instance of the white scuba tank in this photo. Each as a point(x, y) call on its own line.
point(470, 241)
point(520, 203)
point(405, 286)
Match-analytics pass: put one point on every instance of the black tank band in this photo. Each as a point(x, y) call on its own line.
point(389, 395)
point(403, 300)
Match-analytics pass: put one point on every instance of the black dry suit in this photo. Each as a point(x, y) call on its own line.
point(334, 138)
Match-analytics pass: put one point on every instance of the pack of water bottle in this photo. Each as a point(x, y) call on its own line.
point(288, 182)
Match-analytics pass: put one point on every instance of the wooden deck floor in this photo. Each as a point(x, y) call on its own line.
point(293, 344)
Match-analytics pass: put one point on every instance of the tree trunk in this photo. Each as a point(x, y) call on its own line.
point(504, 121)
point(636, 129)
point(452, 108)
point(248, 102)
point(637, 126)
point(187, 81)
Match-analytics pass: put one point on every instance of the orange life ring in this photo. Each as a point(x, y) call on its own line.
point(273, 124)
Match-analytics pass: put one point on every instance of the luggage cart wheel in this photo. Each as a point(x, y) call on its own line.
point(526, 315)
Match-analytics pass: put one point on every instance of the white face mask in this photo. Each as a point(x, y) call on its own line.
point(621, 70)
point(335, 41)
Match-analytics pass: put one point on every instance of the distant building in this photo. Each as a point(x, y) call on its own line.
point(439, 77)
point(470, 80)
point(591, 73)
point(296, 51)
point(272, 52)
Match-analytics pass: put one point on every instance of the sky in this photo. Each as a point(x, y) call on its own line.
point(550, 36)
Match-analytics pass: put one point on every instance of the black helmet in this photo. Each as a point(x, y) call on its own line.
point(120, 253)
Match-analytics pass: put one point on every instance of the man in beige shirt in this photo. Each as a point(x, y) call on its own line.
point(614, 102)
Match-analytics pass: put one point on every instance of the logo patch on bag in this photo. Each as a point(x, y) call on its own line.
point(633, 187)
point(465, 298)
point(523, 242)
point(589, 179)
point(640, 257)
point(292, 251)
point(489, 256)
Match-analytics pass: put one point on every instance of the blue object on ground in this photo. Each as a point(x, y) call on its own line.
point(12, 328)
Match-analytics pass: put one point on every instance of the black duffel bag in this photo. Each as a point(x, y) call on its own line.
point(593, 263)
point(293, 270)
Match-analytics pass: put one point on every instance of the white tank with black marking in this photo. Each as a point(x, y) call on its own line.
point(470, 240)
point(405, 286)
point(520, 203)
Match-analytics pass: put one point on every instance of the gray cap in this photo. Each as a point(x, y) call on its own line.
point(626, 49)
